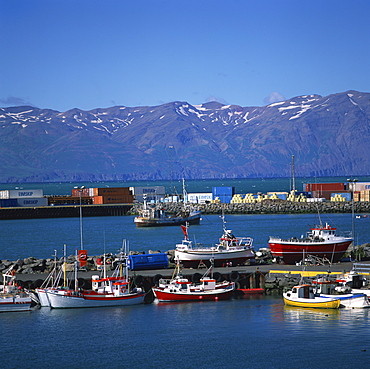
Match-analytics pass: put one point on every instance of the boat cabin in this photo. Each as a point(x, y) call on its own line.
point(304, 291)
point(208, 283)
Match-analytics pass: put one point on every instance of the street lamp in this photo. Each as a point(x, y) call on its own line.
point(353, 184)
point(80, 193)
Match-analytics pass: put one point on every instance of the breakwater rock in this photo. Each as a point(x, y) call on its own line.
point(267, 207)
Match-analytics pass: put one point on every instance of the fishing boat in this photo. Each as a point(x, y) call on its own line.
point(348, 299)
point(303, 296)
point(230, 251)
point(154, 216)
point(180, 288)
point(320, 242)
point(106, 291)
point(12, 297)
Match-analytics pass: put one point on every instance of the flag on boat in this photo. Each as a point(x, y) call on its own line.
point(82, 257)
point(185, 230)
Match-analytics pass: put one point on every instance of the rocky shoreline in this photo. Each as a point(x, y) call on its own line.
point(268, 207)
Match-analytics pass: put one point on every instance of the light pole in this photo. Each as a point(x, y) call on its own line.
point(80, 193)
point(353, 184)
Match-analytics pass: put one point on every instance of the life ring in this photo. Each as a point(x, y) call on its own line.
point(123, 289)
point(83, 256)
point(99, 261)
point(108, 261)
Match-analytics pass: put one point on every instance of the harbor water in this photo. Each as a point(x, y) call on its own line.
point(252, 332)
point(245, 333)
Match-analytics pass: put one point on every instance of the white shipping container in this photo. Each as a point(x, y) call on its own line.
point(33, 202)
point(149, 190)
point(18, 194)
point(358, 186)
point(199, 198)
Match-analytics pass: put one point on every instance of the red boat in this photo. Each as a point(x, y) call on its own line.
point(321, 242)
point(181, 289)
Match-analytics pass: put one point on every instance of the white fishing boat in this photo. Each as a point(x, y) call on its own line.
point(180, 288)
point(230, 251)
point(156, 216)
point(106, 291)
point(12, 297)
point(348, 298)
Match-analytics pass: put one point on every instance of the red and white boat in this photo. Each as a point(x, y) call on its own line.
point(106, 291)
point(181, 289)
point(12, 297)
point(321, 242)
point(230, 251)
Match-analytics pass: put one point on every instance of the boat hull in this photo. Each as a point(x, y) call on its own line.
point(192, 258)
point(325, 303)
point(168, 221)
point(194, 296)
point(63, 301)
point(294, 252)
point(352, 301)
point(14, 303)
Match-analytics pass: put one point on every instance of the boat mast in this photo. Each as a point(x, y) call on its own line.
point(293, 176)
point(65, 266)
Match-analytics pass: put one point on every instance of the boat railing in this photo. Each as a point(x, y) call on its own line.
point(361, 268)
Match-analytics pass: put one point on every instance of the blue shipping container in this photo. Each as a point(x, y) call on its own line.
point(346, 195)
point(221, 191)
point(8, 203)
point(224, 199)
point(148, 261)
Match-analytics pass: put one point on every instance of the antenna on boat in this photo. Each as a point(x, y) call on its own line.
point(65, 266)
point(293, 175)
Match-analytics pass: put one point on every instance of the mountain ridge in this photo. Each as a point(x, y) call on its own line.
point(327, 135)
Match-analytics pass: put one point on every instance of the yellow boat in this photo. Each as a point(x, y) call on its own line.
point(304, 296)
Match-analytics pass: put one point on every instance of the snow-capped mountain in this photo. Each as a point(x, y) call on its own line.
point(328, 136)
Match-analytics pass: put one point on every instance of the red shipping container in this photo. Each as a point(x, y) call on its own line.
point(112, 191)
point(83, 191)
point(334, 187)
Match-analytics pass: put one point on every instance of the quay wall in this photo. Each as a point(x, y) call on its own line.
point(270, 207)
point(264, 207)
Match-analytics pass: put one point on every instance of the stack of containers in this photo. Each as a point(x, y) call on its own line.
point(112, 195)
point(23, 198)
point(105, 195)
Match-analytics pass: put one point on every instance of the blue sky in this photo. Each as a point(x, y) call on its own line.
point(62, 54)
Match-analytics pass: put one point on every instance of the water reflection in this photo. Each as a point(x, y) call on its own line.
point(293, 314)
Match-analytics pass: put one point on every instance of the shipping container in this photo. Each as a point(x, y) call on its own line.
point(16, 194)
point(358, 186)
point(8, 203)
point(113, 199)
point(83, 192)
point(224, 199)
point(333, 187)
point(112, 191)
point(32, 202)
point(148, 261)
point(69, 200)
point(346, 195)
point(222, 191)
point(199, 198)
point(150, 193)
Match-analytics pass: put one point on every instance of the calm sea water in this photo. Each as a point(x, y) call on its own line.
point(256, 332)
point(40, 237)
point(245, 333)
